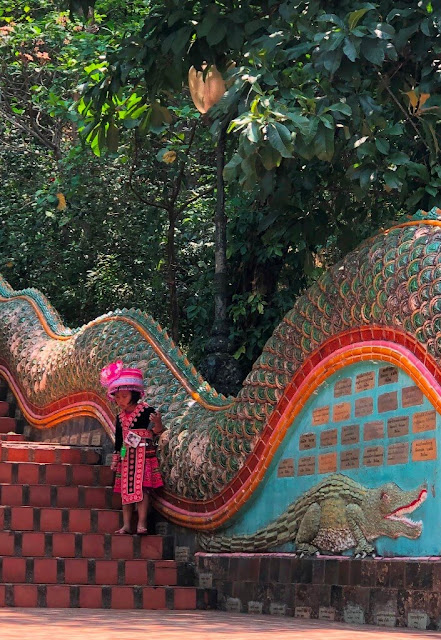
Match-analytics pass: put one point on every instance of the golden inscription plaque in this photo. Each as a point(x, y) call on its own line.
point(373, 430)
point(341, 412)
point(373, 456)
point(423, 421)
point(286, 468)
point(95, 441)
point(364, 407)
point(350, 459)
point(398, 426)
point(307, 441)
point(388, 402)
point(327, 462)
point(365, 381)
point(306, 466)
point(411, 396)
point(320, 416)
point(350, 434)
point(424, 450)
point(343, 388)
point(387, 375)
point(328, 438)
point(398, 453)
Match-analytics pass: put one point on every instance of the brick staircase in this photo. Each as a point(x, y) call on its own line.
point(57, 510)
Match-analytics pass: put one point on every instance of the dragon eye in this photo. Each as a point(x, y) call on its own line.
point(384, 496)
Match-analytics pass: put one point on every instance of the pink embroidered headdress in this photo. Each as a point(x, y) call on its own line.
point(115, 377)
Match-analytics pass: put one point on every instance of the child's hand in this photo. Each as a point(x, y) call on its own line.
point(156, 420)
point(115, 460)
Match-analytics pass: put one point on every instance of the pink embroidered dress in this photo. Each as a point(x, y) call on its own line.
point(138, 469)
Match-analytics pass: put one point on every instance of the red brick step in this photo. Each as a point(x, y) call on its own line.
point(57, 546)
point(4, 408)
point(106, 546)
point(7, 424)
point(52, 519)
point(97, 596)
point(42, 570)
point(11, 437)
point(45, 495)
point(47, 453)
point(56, 474)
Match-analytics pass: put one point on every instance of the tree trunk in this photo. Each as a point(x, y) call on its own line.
point(218, 365)
point(171, 276)
point(220, 242)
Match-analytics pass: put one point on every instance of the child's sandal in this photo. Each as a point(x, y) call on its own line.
point(122, 532)
point(141, 531)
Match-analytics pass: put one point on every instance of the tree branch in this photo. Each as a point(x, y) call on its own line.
point(178, 182)
point(196, 197)
point(149, 203)
point(403, 110)
point(31, 131)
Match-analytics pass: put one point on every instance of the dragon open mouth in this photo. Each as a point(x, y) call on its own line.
point(400, 513)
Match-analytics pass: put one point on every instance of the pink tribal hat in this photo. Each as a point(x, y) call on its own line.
point(115, 377)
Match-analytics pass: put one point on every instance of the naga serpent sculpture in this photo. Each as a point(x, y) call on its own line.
point(383, 300)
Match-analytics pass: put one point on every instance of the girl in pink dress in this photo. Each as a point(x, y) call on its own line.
point(134, 460)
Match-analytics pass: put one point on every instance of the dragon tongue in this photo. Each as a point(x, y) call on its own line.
point(401, 511)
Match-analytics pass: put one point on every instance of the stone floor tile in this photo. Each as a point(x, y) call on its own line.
point(77, 624)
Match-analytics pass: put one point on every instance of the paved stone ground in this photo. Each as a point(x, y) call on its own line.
point(80, 624)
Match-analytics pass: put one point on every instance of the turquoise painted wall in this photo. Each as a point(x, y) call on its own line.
point(276, 493)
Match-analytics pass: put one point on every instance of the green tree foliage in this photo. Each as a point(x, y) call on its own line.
point(334, 115)
point(90, 231)
point(341, 82)
point(333, 112)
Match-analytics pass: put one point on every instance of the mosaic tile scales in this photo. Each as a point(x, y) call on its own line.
point(393, 280)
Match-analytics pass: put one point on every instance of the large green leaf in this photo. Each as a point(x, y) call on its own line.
point(299, 50)
point(230, 169)
point(373, 50)
point(392, 180)
point(418, 170)
point(270, 158)
point(324, 143)
point(331, 17)
point(354, 17)
point(217, 33)
point(112, 139)
point(279, 138)
point(399, 157)
point(253, 132)
point(384, 31)
point(350, 50)
point(340, 107)
point(382, 145)
point(331, 60)
point(403, 36)
point(207, 23)
point(181, 40)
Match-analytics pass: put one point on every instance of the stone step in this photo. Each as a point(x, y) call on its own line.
point(4, 408)
point(108, 597)
point(57, 474)
point(42, 570)
point(46, 495)
point(63, 519)
point(106, 546)
point(47, 453)
point(7, 423)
